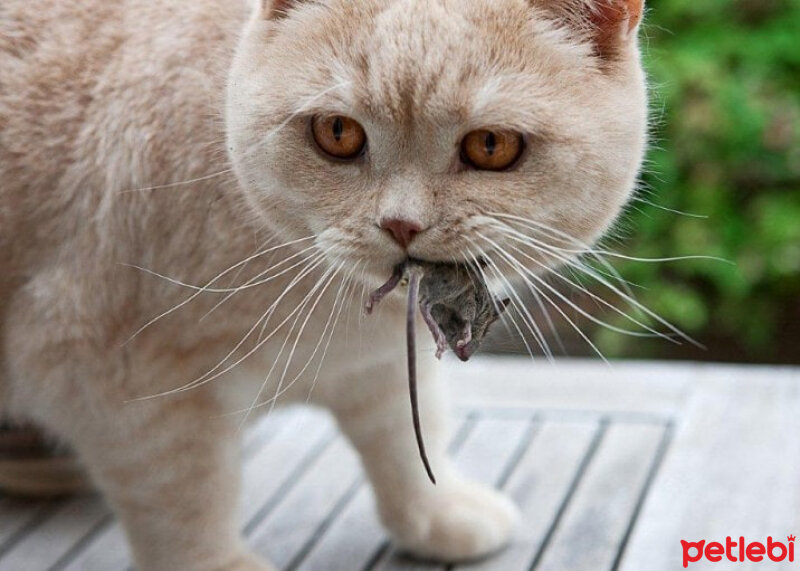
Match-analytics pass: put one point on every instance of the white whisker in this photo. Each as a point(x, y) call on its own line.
point(210, 282)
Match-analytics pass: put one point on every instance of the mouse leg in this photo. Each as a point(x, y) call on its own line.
point(376, 296)
point(438, 335)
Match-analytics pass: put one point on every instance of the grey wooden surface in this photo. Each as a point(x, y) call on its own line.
point(611, 467)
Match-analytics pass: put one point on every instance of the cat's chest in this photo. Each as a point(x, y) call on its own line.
point(278, 329)
point(310, 352)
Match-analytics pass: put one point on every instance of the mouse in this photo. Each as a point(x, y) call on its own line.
point(458, 309)
point(454, 301)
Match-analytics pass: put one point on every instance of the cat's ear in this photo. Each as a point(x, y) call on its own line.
point(276, 9)
point(610, 24)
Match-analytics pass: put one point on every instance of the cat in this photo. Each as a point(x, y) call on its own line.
point(195, 194)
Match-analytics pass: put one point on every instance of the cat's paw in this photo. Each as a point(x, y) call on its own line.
point(461, 522)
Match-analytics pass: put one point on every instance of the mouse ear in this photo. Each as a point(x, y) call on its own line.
point(277, 9)
point(611, 25)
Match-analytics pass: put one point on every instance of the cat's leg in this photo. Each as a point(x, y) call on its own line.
point(171, 472)
point(456, 519)
point(169, 466)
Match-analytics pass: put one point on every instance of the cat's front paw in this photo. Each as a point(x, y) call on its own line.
point(456, 523)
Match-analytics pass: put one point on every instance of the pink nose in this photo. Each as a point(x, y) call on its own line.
point(403, 231)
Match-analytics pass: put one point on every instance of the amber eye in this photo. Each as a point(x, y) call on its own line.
point(339, 136)
point(489, 150)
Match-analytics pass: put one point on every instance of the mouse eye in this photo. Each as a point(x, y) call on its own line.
point(492, 150)
point(339, 136)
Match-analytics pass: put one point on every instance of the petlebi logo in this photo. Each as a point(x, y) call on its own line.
point(738, 551)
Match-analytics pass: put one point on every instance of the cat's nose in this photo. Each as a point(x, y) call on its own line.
point(403, 231)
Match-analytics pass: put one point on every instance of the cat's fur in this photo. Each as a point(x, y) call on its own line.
point(101, 100)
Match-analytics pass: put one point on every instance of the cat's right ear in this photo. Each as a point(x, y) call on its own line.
point(610, 24)
point(276, 9)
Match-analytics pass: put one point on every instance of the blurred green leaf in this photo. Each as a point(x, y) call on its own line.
point(726, 146)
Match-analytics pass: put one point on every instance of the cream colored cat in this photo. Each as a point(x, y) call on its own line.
point(282, 158)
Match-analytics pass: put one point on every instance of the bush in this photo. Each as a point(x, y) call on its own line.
point(726, 146)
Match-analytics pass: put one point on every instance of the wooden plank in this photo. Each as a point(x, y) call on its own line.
point(733, 469)
point(298, 515)
point(489, 453)
point(595, 523)
point(298, 434)
point(266, 428)
point(17, 516)
point(539, 485)
point(570, 384)
point(275, 465)
point(107, 551)
point(356, 534)
point(47, 543)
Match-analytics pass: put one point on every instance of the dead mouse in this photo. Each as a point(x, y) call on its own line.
point(454, 301)
point(457, 307)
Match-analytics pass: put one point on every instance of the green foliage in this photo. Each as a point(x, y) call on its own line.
point(725, 146)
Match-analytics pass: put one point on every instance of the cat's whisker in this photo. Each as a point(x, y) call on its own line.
point(336, 310)
point(278, 391)
point(260, 280)
point(550, 323)
point(519, 306)
point(324, 352)
point(600, 300)
point(539, 247)
point(504, 315)
point(351, 297)
point(210, 375)
point(587, 249)
point(250, 284)
point(270, 239)
point(346, 288)
point(521, 310)
point(179, 183)
point(263, 321)
point(523, 270)
point(516, 266)
point(584, 249)
point(625, 295)
point(638, 198)
point(322, 285)
point(210, 282)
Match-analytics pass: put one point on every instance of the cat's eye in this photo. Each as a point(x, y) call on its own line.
point(492, 150)
point(338, 136)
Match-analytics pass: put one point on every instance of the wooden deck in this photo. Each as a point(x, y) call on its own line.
point(611, 466)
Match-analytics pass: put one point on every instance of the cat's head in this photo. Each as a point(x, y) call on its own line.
point(457, 126)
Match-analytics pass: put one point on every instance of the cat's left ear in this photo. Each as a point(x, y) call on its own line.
point(276, 9)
